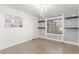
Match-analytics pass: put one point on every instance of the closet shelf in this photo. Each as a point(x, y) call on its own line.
point(71, 17)
point(71, 28)
point(41, 27)
point(40, 21)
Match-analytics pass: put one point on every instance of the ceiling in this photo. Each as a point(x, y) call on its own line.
point(52, 9)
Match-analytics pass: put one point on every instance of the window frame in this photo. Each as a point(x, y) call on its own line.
point(57, 17)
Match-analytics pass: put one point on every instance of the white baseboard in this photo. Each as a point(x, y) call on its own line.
point(60, 41)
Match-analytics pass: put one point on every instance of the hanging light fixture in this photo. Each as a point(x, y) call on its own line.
point(41, 9)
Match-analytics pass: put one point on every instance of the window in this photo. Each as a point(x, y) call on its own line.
point(54, 26)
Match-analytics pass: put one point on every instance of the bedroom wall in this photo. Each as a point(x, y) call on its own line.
point(13, 36)
point(71, 35)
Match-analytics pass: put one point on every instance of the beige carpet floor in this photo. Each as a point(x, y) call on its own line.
point(42, 46)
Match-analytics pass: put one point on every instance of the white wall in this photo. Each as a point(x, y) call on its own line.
point(13, 36)
point(71, 35)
